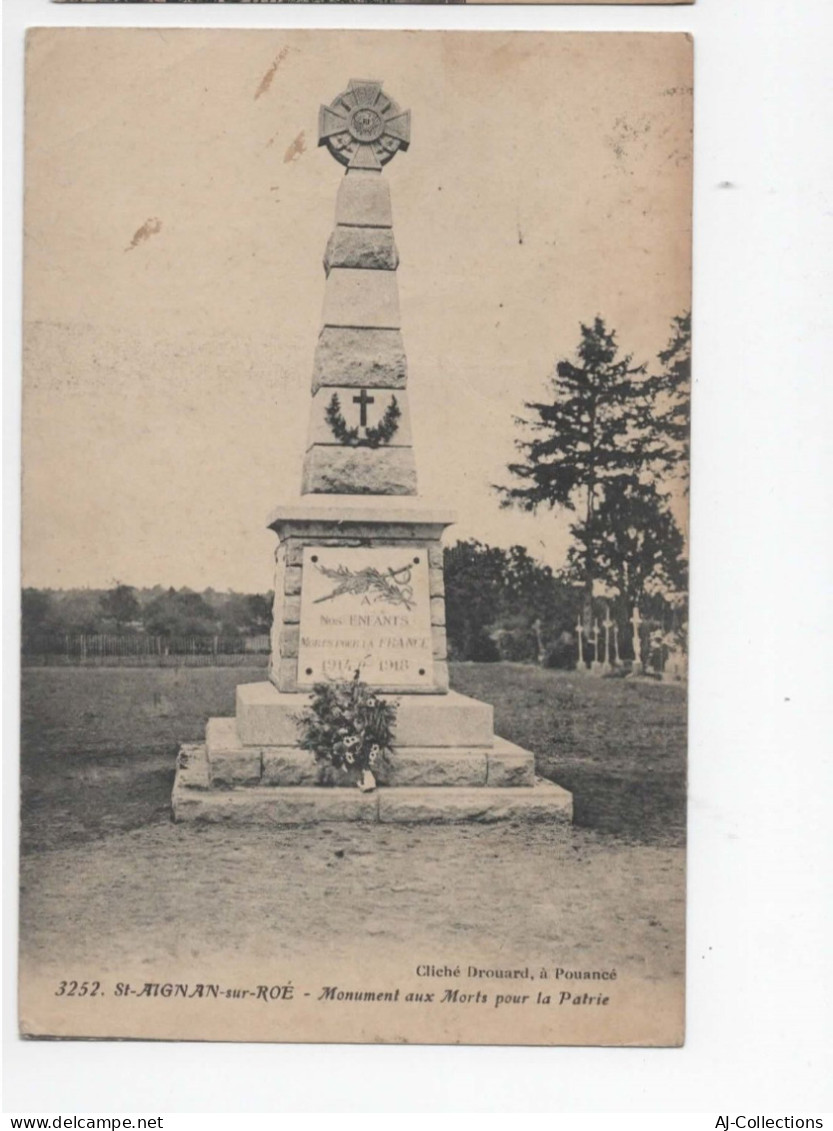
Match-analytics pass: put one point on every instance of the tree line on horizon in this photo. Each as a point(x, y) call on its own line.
point(501, 604)
point(157, 611)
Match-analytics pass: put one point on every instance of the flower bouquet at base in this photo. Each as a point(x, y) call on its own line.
point(349, 729)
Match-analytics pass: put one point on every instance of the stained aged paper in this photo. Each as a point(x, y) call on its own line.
point(518, 875)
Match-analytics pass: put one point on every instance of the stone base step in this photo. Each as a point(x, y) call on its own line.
point(194, 800)
point(268, 717)
point(233, 764)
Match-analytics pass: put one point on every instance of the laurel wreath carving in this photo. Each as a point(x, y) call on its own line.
point(383, 433)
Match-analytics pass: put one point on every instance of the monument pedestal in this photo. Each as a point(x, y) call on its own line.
point(359, 582)
point(447, 765)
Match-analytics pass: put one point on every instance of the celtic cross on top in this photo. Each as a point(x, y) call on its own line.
point(362, 127)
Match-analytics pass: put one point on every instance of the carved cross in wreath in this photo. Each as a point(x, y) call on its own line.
point(362, 435)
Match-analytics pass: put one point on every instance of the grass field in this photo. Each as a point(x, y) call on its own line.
point(618, 745)
point(99, 744)
point(97, 768)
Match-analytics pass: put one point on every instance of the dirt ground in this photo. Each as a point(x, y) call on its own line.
point(184, 891)
point(106, 875)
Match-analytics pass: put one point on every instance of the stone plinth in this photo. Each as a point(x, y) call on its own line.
point(446, 765)
point(341, 470)
point(362, 298)
point(544, 801)
point(361, 581)
point(370, 358)
point(363, 201)
point(265, 717)
point(231, 762)
point(194, 799)
point(368, 248)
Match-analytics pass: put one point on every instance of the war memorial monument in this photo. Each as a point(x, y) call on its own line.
point(359, 574)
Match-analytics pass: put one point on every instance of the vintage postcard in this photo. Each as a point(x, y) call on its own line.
point(355, 491)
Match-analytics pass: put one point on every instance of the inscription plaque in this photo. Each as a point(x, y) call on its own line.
point(368, 608)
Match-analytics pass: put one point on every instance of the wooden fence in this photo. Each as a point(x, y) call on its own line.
point(139, 650)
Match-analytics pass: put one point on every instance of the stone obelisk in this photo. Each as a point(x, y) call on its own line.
point(360, 435)
point(359, 518)
point(359, 574)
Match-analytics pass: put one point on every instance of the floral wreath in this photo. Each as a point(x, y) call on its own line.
point(383, 433)
point(349, 729)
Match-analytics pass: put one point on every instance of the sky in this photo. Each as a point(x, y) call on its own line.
point(177, 209)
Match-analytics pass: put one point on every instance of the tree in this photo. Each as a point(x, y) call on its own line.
point(37, 611)
point(532, 592)
point(635, 541)
point(120, 604)
point(502, 602)
point(259, 610)
point(244, 614)
point(473, 581)
point(78, 610)
point(593, 431)
point(180, 613)
point(670, 391)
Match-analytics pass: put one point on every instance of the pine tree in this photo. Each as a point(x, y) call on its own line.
point(668, 449)
point(594, 431)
